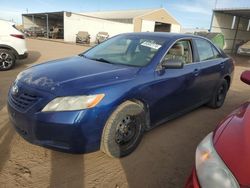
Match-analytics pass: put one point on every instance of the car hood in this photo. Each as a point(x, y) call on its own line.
point(232, 142)
point(75, 74)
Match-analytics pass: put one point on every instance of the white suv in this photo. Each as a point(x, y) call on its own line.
point(12, 45)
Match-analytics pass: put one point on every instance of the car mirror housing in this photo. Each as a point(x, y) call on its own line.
point(245, 77)
point(170, 64)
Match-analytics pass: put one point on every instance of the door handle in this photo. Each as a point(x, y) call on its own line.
point(196, 72)
point(222, 65)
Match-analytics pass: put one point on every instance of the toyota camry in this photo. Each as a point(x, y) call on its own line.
point(108, 96)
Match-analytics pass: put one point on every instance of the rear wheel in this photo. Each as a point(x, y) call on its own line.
point(7, 60)
point(219, 96)
point(123, 130)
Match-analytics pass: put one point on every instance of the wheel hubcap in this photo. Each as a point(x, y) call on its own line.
point(5, 60)
point(126, 130)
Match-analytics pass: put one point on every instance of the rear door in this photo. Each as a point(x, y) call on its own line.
point(211, 67)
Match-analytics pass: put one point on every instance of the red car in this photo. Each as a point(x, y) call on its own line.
point(223, 157)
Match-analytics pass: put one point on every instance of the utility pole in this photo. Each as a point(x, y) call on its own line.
point(211, 23)
point(47, 22)
point(215, 4)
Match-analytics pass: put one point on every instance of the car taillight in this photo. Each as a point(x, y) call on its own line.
point(17, 36)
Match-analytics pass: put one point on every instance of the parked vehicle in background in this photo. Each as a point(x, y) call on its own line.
point(106, 97)
point(83, 37)
point(36, 32)
point(216, 38)
point(244, 49)
point(12, 45)
point(56, 33)
point(27, 33)
point(101, 36)
point(223, 157)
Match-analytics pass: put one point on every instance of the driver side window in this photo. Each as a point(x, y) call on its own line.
point(181, 51)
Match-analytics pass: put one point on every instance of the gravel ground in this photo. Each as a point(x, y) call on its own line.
point(163, 159)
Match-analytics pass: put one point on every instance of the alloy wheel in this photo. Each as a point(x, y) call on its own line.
point(6, 60)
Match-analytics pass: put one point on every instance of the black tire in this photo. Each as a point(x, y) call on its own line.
point(121, 135)
point(219, 95)
point(7, 59)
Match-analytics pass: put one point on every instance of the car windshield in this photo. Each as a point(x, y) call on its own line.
point(126, 50)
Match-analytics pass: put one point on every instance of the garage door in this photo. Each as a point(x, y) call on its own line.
point(148, 26)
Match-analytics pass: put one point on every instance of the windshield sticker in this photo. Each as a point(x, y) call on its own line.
point(151, 45)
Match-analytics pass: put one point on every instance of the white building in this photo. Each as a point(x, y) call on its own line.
point(113, 22)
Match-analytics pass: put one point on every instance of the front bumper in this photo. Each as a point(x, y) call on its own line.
point(74, 132)
point(243, 52)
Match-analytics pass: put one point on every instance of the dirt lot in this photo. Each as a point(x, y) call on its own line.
point(163, 159)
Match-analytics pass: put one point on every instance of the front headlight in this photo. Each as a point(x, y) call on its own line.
point(73, 103)
point(211, 170)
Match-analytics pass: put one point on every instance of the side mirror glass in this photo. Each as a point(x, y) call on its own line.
point(245, 77)
point(171, 64)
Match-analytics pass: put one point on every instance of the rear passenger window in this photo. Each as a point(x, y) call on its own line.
point(216, 53)
point(206, 50)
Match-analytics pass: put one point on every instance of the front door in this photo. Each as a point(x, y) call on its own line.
point(177, 90)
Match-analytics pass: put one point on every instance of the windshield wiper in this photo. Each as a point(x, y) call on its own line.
point(97, 59)
point(102, 60)
point(82, 55)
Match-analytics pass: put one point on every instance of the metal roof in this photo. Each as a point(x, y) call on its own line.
point(242, 12)
point(109, 15)
point(122, 14)
point(53, 15)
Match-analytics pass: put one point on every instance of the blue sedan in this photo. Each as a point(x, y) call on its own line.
point(108, 96)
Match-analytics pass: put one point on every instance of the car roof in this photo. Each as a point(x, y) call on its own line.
point(163, 35)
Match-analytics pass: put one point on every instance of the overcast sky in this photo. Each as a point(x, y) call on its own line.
point(190, 13)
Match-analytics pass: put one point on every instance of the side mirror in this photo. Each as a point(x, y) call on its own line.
point(170, 64)
point(245, 77)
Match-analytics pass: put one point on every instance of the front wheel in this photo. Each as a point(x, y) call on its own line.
point(7, 60)
point(123, 130)
point(219, 95)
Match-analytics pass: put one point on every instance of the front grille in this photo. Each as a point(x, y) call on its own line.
point(23, 100)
